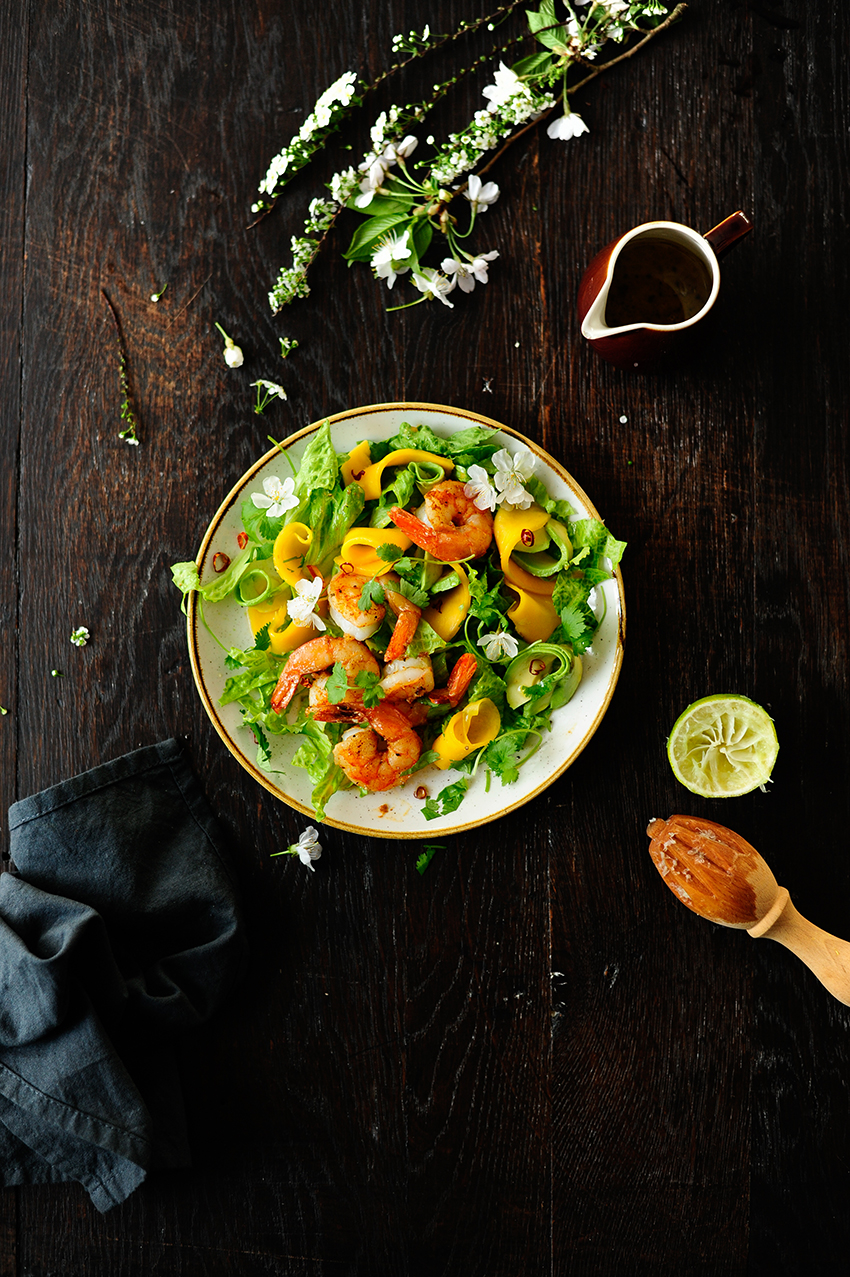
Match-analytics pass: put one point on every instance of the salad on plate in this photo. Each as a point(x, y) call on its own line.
point(416, 605)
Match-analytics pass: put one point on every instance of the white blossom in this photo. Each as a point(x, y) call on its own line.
point(274, 392)
point(498, 645)
point(467, 272)
point(279, 497)
point(567, 126)
point(80, 636)
point(388, 260)
point(479, 489)
point(432, 284)
point(480, 195)
point(308, 848)
point(302, 609)
point(507, 85)
point(395, 151)
point(511, 473)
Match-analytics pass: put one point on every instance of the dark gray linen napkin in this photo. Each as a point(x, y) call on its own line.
point(120, 929)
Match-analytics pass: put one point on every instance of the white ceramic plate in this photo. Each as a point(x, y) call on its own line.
point(397, 813)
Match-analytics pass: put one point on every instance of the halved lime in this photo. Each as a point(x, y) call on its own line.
point(723, 746)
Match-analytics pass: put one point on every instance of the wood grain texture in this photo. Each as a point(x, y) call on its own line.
point(530, 1059)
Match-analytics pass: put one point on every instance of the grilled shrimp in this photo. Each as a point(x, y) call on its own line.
point(344, 592)
point(455, 528)
point(320, 654)
point(376, 752)
point(324, 710)
point(408, 679)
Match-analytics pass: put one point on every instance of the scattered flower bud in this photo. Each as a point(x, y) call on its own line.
point(233, 356)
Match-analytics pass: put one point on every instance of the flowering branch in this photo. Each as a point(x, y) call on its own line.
point(403, 211)
point(130, 431)
point(342, 97)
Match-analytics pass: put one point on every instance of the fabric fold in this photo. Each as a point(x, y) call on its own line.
point(120, 929)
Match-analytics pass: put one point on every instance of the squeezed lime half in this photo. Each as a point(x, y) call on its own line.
point(723, 746)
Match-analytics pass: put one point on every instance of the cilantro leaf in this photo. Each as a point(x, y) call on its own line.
point(429, 851)
point(337, 684)
point(502, 756)
point(372, 592)
point(448, 800)
point(389, 552)
point(486, 601)
point(370, 685)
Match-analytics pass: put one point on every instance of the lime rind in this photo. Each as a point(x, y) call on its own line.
point(723, 746)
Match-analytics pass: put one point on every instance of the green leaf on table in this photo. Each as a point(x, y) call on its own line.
point(429, 851)
point(422, 233)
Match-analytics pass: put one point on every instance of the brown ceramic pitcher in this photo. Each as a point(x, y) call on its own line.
point(641, 298)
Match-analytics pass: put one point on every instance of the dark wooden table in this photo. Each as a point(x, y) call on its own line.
point(531, 1059)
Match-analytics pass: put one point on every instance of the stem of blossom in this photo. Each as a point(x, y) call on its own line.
point(407, 305)
point(629, 53)
point(465, 28)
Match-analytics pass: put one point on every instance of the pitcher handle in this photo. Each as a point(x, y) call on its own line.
point(728, 232)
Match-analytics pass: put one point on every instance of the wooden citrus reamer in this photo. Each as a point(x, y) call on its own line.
point(720, 876)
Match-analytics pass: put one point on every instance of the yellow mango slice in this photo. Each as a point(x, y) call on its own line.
point(290, 547)
point(508, 528)
point(371, 481)
point(469, 729)
point(449, 612)
point(264, 614)
point(359, 461)
point(285, 635)
point(533, 616)
point(360, 546)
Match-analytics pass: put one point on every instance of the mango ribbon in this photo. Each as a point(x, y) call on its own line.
point(449, 612)
point(469, 729)
point(371, 481)
point(290, 549)
point(508, 528)
point(358, 462)
point(533, 616)
point(360, 549)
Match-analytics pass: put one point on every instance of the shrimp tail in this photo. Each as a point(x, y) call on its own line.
point(287, 686)
point(459, 680)
point(407, 619)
